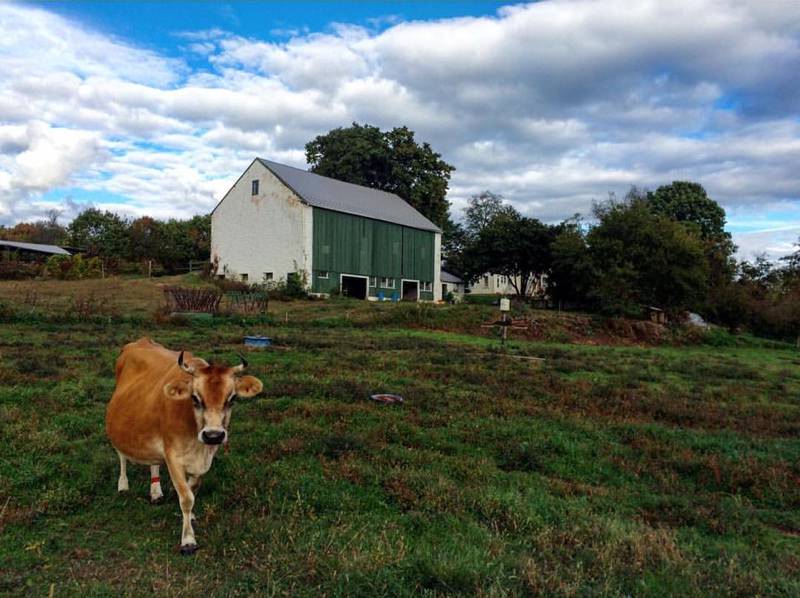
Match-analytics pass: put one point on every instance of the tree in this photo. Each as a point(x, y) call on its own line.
point(572, 275)
point(391, 161)
point(102, 234)
point(688, 202)
point(643, 258)
point(511, 245)
point(791, 271)
point(482, 209)
point(145, 239)
point(46, 230)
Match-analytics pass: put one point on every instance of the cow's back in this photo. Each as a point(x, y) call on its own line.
point(133, 416)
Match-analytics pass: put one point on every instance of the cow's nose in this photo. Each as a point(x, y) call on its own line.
point(213, 436)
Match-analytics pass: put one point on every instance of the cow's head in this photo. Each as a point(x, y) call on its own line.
point(213, 389)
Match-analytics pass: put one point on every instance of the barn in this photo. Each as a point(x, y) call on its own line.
point(278, 221)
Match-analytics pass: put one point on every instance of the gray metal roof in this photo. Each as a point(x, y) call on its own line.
point(451, 278)
point(330, 194)
point(37, 247)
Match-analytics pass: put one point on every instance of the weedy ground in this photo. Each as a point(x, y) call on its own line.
point(600, 470)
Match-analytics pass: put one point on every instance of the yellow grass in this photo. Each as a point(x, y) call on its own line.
point(123, 295)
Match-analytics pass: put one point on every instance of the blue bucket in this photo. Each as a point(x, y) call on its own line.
point(257, 341)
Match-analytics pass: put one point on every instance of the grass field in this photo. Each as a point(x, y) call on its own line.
point(601, 470)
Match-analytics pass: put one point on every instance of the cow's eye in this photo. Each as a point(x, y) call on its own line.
point(197, 402)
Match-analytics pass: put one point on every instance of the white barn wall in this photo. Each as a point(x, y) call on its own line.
point(267, 232)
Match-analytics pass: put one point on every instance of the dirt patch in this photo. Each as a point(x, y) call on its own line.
point(581, 329)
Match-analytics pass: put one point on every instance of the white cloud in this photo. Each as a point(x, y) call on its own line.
point(551, 104)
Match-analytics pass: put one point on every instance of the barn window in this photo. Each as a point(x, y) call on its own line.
point(373, 281)
point(322, 274)
point(427, 286)
point(267, 276)
point(244, 277)
point(255, 187)
point(387, 283)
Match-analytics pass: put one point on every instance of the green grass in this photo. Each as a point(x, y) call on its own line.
point(601, 470)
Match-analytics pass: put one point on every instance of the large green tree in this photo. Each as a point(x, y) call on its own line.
point(482, 209)
point(511, 245)
point(102, 234)
point(392, 161)
point(572, 274)
point(643, 258)
point(688, 202)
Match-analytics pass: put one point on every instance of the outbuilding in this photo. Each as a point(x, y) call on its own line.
point(279, 221)
point(452, 284)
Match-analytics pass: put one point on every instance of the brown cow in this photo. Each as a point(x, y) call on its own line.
point(172, 408)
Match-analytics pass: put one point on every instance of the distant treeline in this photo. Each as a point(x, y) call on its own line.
point(123, 245)
point(666, 249)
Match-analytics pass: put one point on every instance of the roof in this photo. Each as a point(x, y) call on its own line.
point(452, 278)
point(37, 247)
point(338, 196)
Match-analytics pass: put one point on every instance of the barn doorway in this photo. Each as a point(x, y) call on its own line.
point(354, 286)
point(410, 290)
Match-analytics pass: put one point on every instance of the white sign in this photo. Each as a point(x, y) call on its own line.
point(505, 305)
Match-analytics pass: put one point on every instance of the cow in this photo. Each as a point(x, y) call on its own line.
point(172, 408)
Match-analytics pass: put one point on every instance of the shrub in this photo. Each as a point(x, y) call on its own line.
point(73, 267)
point(227, 285)
point(253, 301)
point(482, 299)
point(187, 299)
point(18, 270)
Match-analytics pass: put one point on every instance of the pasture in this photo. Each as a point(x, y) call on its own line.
point(602, 470)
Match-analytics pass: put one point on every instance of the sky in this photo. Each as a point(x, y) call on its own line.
point(157, 108)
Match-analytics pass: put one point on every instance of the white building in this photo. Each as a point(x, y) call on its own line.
point(277, 221)
point(452, 284)
point(498, 284)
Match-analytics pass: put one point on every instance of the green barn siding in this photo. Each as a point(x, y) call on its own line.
point(387, 257)
point(417, 254)
point(344, 243)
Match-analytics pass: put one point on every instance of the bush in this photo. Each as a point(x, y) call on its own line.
point(18, 270)
point(482, 299)
point(253, 301)
point(186, 299)
point(229, 285)
point(73, 267)
point(296, 285)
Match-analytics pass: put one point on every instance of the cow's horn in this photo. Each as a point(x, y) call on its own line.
point(185, 366)
point(242, 365)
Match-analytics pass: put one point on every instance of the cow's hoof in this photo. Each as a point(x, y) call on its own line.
point(157, 500)
point(188, 549)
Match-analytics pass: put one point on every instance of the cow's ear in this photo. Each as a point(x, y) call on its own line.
point(180, 389)
point(248, 386)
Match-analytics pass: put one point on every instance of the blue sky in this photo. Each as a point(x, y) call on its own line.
point(154, 24)
point(156, 108)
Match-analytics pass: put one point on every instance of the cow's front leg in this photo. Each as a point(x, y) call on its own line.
point(194, 484)
point(122, 482)
point(156, 495)
point(186, 498)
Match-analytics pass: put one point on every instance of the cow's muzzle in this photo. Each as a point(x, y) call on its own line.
point(212, 436)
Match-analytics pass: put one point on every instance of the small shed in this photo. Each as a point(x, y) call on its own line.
point(452, 284)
